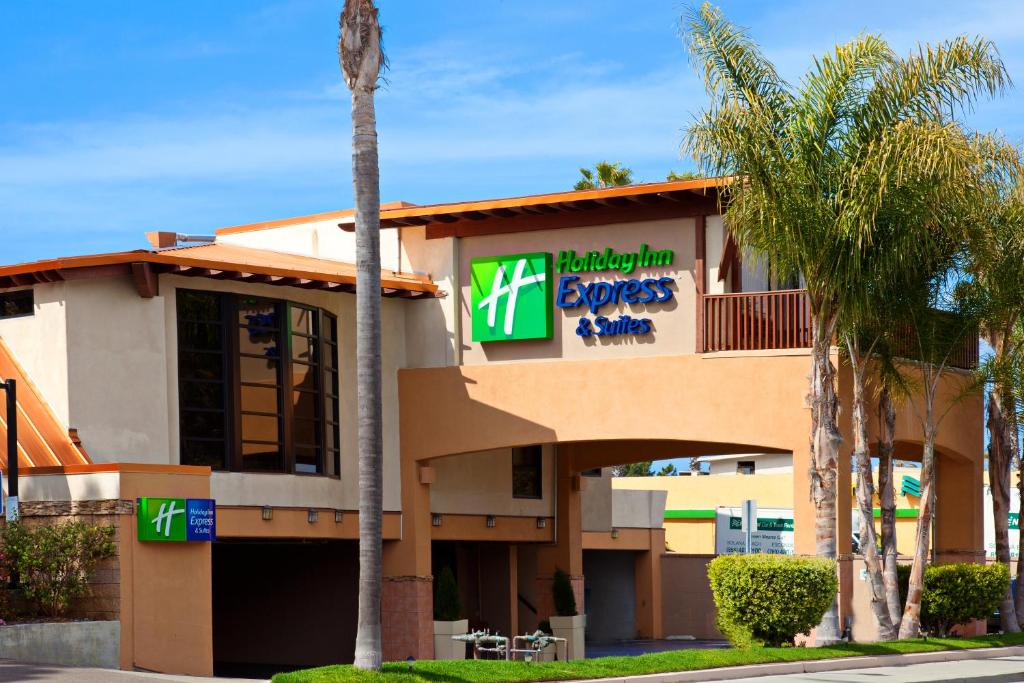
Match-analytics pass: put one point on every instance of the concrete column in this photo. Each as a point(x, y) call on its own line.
point(407, 601)
point(959, 510)
point(647, 576)
point(567, 551)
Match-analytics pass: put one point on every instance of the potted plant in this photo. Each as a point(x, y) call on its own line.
point(566, 622)
point(447, 610)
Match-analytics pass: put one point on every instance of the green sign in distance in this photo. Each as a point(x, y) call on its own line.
point(176, 519)
point(511, 297)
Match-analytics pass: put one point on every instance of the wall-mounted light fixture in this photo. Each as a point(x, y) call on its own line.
point(491, 521)
point(542, 522)
point(268, 513)
point(435, 520)
point(615, 532)
point(311, 516)
point(339, 516)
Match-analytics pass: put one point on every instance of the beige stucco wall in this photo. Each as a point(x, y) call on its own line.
point(39, 343)
point(319, 239)
point(673, 321)
point(117, 378)
point(481, 484)
point(596, 503)
point(257, 489)
point(431, 326)
point(638, 509)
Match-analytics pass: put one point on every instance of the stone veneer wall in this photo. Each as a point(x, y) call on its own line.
point(103, 600)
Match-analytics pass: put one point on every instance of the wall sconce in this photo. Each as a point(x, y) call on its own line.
point(542, 523)
point(339, 516)
point(491, 521)
point(268, 513)
point(435, 520)
point(615, 532)
point(311, 516)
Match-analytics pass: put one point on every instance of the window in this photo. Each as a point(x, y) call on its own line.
point(17, 304)
point(745, 467)
point(258, 384)
point(526, 472)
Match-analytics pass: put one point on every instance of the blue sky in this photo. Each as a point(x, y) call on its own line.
point(121, 117)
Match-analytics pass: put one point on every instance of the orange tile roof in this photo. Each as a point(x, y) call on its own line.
point(223, 261)
point(42, 440)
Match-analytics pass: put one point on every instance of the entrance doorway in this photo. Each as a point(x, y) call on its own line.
point(610, 594)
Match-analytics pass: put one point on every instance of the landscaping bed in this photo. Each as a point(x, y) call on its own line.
point(490, 671)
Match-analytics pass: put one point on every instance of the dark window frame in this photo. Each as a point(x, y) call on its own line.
point(21, 301)
point(746, 467)
point(325, 369)
point(528, 460)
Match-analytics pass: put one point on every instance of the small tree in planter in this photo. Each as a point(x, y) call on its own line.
point(567, 622)
point(53, 561)
point(447, 621)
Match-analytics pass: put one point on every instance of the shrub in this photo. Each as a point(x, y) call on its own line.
point(956, 593)
point(565, 598)
point(769, 599)
point(52, 562)
point(447, 605)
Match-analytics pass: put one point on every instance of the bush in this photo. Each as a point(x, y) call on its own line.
point(447, 605)
point(769, 599)
point(565, 598)
point(52, 562)
point(956, 593)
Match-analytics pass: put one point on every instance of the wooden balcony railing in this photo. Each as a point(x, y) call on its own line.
point(757, 321)
point(763, 321)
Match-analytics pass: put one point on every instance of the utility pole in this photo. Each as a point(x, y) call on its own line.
point(11, 509)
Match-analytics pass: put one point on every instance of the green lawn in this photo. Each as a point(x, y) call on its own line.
point(470, 671)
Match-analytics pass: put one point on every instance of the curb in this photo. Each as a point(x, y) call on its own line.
point(815, 666)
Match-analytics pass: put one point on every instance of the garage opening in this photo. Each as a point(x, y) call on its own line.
point(279, 606)
point(610, 595)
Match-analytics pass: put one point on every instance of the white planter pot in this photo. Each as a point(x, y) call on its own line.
point(573, 630)
point(444, 646)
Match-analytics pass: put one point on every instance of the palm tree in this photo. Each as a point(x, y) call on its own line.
point(996, 264)
point(817, 165)
point(603, 174)
point(362, 62)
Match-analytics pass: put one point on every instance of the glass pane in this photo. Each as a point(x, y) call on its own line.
point(303, 377)
point(302, 319)
point(304, 349)
point(257, 370)
point(259, 399)
point(205, 336)
point(307, 432)
point(208, 395)
point(331, 440)
point(198, 306)
point(332, 410)
point(14, 304)
point(200, 365)
point(253, 312)
point(307, 460)
point(329, 329)
point(209, 453)
point(305, 405)
point(258, 457)
point(333, 462)
point(331, 356)
point(203, 425)
point(258, 341)
point(332, 382)
point(259, 428)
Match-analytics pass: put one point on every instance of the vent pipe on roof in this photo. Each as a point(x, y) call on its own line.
point(164, 240)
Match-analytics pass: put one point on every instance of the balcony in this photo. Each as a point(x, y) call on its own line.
point(766, 321)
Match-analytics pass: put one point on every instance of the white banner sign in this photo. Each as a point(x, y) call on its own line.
point(990, 529)
point(774, 533)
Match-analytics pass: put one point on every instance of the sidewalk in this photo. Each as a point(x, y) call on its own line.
point(47, 673)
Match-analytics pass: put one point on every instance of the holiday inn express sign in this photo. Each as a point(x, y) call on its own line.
point(176, 519)
point(513, 297)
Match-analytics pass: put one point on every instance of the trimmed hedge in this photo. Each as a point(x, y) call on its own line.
point(957, 593)
point(769, 599)
point(447, 605)
point(565, 598)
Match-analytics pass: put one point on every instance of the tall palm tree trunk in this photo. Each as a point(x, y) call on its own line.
point(825, 440)
point(866, 495)
point(1000, 459)
point(361, 63)
point(887, 503)
point(910, 626)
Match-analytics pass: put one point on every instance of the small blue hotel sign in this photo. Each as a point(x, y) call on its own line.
point(177, 519)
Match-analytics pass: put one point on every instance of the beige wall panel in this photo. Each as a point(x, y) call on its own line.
point(431, 325)
point(39, 344)
point(481, 484)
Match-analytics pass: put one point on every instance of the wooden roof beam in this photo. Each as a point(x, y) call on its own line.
point(147, 282)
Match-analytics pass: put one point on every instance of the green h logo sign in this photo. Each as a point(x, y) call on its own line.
point(511, 297)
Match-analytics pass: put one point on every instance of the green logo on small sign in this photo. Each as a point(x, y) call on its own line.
point(176, 519)
point(511, 297)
